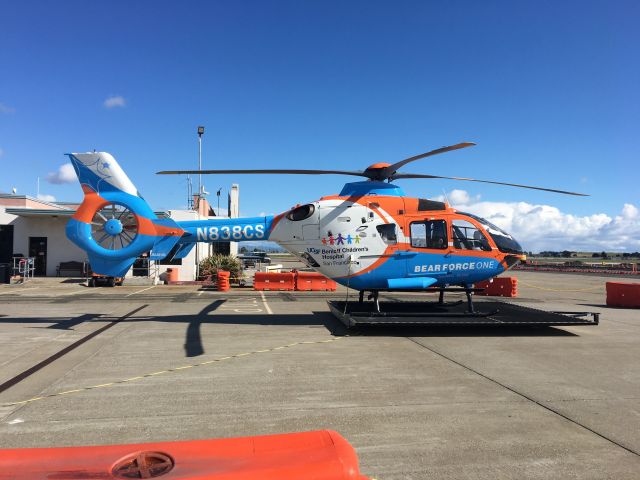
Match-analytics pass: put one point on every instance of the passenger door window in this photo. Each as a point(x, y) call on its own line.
point(429, 234)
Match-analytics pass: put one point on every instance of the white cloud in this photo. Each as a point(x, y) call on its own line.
point(114, 101)
point(46, 198)
point(544, 227)
point(1, 152)
point(65, 174)
point(6, 109)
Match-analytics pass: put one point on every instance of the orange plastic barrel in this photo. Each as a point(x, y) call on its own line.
point(223, 280)
point(172, 274)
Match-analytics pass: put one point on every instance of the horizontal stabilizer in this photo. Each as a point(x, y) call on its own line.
point(164, 244)
point(183, 251)
point(417, 283)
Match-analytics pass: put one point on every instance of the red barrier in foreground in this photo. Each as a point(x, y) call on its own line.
point(319, 455)
point(274, 281)
point(499, 287)
point(621, 294)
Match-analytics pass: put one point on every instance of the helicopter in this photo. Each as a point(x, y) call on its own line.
point(370, 237)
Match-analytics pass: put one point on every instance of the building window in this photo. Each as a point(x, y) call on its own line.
point(429, 234)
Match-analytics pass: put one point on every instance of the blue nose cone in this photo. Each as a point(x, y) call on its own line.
point(113, 226)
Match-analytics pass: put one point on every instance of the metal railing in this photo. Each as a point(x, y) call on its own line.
point(24, 267)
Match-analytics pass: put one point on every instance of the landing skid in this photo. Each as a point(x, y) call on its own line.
point(490, 313)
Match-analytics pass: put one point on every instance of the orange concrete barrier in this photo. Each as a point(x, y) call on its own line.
point(621, 294)
point(223, 280)
point(499, 287)
point(319, 455)
point(312, 281)
point(274, 281)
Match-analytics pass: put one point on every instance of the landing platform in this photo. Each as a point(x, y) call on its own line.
point(430, 313)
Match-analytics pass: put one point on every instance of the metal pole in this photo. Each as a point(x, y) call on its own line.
point(200, 131)
point(199, 164)
point(189, 199)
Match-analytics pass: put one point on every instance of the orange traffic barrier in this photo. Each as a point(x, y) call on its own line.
point(320, 455)
point(223, 280)
point(274, 281)
point(308, 281)
point(621, 294)
point(499, 287)
point(172, 274)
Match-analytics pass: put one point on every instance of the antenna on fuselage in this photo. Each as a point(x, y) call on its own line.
point(446, 199)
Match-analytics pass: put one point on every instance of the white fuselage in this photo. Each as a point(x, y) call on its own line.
point(339, 239)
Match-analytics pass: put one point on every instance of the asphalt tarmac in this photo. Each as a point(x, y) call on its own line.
point(91, 366)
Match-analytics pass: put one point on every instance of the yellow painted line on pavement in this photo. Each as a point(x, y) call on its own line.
point(76, 292)
point(139, 291)
point(170, 370)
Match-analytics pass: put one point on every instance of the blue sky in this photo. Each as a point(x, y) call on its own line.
point(548, 90)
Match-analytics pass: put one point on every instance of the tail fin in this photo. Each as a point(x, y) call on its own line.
point(114, 224)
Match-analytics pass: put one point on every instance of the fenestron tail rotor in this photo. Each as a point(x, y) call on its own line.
point(114, 227)
point(377, 172)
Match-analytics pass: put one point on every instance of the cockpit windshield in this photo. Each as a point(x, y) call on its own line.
point(505, 242)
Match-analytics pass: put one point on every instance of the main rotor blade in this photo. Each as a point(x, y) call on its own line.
point(391, 169)
point(266, 171)
point(417, 175)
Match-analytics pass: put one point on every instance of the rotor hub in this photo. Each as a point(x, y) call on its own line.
point(113, 227)
point(376, 171)
point(378, 166)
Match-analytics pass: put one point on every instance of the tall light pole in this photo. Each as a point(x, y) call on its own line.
point(200, 133)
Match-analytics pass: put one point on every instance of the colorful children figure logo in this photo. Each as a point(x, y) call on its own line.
point(340, 239)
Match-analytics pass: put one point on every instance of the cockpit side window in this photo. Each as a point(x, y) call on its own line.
point(467, 237)
point(387, 233)
point(301, 213)
point(429, 234)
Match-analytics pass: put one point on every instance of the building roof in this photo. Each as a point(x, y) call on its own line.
point(39, 212)
point(27, 201)
point(35, 212)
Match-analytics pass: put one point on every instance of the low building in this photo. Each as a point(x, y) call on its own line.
point(35, 228)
